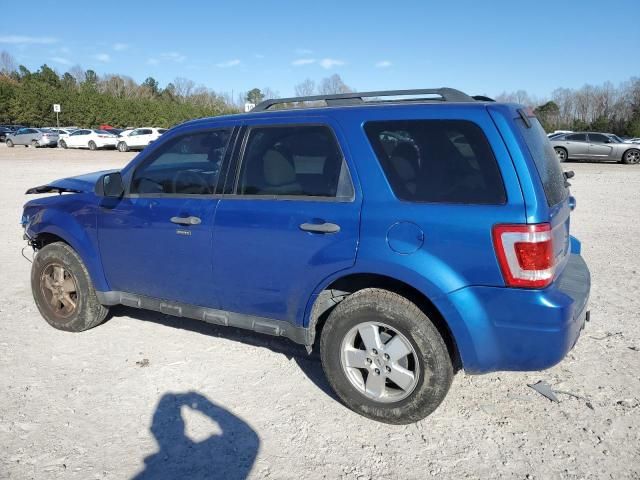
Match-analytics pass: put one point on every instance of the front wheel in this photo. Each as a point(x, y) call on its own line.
point(63, 291)
point(34, 143)
point(63, 144)
point(561, 153)
point(123, 147)
point(92, 145)
point(631, 157)
point(9, 143)
point(384, 358)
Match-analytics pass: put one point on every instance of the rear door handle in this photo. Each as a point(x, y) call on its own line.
point(320, 227)
point(186, 220)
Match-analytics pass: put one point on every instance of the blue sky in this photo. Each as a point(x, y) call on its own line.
point(476, 46)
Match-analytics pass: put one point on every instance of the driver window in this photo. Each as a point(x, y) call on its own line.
point(186, 165)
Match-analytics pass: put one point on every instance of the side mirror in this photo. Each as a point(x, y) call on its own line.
point(110, 185)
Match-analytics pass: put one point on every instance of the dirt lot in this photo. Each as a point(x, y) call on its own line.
point(146, 394)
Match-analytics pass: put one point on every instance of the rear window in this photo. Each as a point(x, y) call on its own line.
point(437, 161)
point(546, 160)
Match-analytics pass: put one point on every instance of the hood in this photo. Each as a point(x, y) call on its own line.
point(80, 184)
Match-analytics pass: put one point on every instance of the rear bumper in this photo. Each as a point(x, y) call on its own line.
point(518, 329)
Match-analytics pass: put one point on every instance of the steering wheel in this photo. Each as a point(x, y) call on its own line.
point(190, 182)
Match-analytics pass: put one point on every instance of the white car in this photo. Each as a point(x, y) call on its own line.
point(62, 132)
point(632, 140)
point(139, 138)
point(91, 139)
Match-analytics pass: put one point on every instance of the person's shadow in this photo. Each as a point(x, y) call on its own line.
point(228, 455)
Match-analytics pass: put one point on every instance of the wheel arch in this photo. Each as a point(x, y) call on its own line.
point(339, 288)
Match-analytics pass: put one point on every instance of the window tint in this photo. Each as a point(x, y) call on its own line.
point(577, 137)
point(598, 138)
point(294, 160)
point(447, 161)
point(546, 160)
point(186, 165)
point(144, 131)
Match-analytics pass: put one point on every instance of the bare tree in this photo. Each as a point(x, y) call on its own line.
point(333, 84)
point(7, 63)
point(183, 87)
point(78, 73)
point(306, 88)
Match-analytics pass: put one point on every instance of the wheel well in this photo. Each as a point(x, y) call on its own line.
point(339, 289)
point(45, 238)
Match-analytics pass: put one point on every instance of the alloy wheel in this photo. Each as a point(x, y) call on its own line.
point(60, 290)
point(632, 156)
point(380, 362)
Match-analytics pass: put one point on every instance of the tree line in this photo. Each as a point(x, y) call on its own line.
point(89, 100)
point(601, 108)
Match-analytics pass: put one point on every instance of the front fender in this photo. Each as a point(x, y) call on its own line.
point(75, 226)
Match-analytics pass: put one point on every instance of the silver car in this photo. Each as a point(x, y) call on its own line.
point(34, 137)
point(594, 146)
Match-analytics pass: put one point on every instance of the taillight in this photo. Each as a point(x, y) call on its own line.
point(525, 254)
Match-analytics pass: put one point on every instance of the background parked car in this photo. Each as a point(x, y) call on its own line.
point(139, 138)
point(32, 136)
point(634, 140)
point(62, 132)
point(4, 131)
point(594, 146)
point(91, 139)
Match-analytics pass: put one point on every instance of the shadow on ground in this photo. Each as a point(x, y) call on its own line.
point(308, 363)
point(228, 455)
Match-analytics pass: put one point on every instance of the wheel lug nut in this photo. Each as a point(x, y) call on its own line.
point(377, 371)
point(386, 356)
point(374, 351)
point(368, 360)
point(387, 368)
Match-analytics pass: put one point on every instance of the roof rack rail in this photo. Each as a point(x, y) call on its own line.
point(355, 98)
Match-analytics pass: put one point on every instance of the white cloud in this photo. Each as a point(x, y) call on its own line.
point(383, 64)
point(118, 47)
point(152, 61)
point(227, 64)
point(328, 63)
point(258, 55)
point(173, 57)
point(61, 61)
point(102, 57)
point(303, 51)
point(303, 61)
point(24, 40)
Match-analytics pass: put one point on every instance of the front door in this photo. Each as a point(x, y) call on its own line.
point(600, 146)
point(156, 241)
point(292, 222)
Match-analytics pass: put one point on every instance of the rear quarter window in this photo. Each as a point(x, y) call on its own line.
point(545, 159)
point(437, 161)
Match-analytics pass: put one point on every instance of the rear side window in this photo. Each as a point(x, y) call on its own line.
point(546, 160)
point(437, 161)
point(577, 137)
point(301, 160)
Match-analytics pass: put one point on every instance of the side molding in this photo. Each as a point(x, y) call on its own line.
point(268, 326)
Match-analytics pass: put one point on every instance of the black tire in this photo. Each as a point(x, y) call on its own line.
point(92, 145)
point(123, 147)
point(562, 154)
point(631, 156)
point(87, 312)
point(395, 311)
point(34, 143)
point(63, 144)
point(9, 143)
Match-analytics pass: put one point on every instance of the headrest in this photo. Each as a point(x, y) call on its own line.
point(277, 169)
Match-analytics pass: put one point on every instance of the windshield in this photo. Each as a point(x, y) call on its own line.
point(616, 138)
point(103, 132)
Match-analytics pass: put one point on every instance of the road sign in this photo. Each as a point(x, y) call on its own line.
point(56, 108)
point(249, 106)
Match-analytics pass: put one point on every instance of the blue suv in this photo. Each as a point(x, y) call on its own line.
point(408, 233)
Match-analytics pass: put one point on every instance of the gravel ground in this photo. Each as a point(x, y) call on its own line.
point(152, 396)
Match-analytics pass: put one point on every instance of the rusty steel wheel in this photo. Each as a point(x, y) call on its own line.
point(63, 291)
point(58, 286)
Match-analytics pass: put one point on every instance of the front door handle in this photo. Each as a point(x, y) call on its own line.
point(186, 220)
point(320, 227)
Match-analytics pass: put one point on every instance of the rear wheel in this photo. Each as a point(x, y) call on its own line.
point(63, 291)
point(34, 143)
point(92, 145)
point(9, 143)
point(63, 144)
point(631, 157)
point(561, 153)
point(123, 147)
point(384, 358)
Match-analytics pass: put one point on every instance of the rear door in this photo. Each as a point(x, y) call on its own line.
point(577, 145)
point(290, 220)
point(77, 138)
